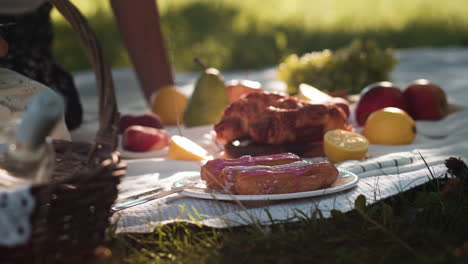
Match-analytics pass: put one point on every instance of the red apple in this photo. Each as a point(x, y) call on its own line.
point(377, 96)
point(427, 101)
point(237, 88)
point(146, 119)
point(3, 47)
point(141, 139)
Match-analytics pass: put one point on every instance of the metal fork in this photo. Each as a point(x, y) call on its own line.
point(146, 197)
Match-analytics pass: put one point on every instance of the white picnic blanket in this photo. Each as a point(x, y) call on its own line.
point(387, 171)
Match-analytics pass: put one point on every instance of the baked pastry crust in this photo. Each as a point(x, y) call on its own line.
point(211, 171)
point(273, 118)
point(299, 176)
point(272, 174)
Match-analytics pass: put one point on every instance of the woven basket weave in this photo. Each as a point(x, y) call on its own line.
point(73, 210)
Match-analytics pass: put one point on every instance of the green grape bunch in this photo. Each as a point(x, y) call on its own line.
point(347, 69)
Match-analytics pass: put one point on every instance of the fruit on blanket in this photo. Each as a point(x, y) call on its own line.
point(341, 103)
point(310, 93)
point(340, 145)
point(182, 148)
point(169, 104)
point(314, 95)
point(426, 100)
point(141, 139)
point(377, 96)
point(349, 68)
point(146, 119)
point(237, 88)
point(3, 47)
point(208, 99)
point(390, 126)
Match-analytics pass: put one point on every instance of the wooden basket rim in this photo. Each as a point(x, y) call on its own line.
point(107, 103)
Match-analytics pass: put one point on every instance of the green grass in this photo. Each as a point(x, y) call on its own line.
point(231, 34)
point(424, 225)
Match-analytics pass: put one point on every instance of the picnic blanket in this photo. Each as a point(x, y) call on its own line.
point(387, 171)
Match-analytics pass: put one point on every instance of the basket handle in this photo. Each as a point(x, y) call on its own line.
point(108, 112)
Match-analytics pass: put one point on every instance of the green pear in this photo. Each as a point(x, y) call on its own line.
point(208, 100)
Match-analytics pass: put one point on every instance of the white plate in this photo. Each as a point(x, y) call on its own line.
point(345, 181)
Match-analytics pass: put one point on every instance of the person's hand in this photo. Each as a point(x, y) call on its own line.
point(3, 47)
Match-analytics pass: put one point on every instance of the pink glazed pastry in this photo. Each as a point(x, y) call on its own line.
point(211, 172)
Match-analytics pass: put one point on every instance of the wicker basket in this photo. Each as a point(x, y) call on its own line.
point(72, 211)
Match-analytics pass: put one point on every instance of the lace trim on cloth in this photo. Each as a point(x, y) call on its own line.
point(16, 207)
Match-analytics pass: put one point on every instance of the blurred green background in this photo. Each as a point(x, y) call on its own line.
point(249, 34)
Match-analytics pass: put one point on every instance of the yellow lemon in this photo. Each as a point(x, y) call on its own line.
point(390, 126)
point(169, 104)
point(182, 148)
point(340, 145)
